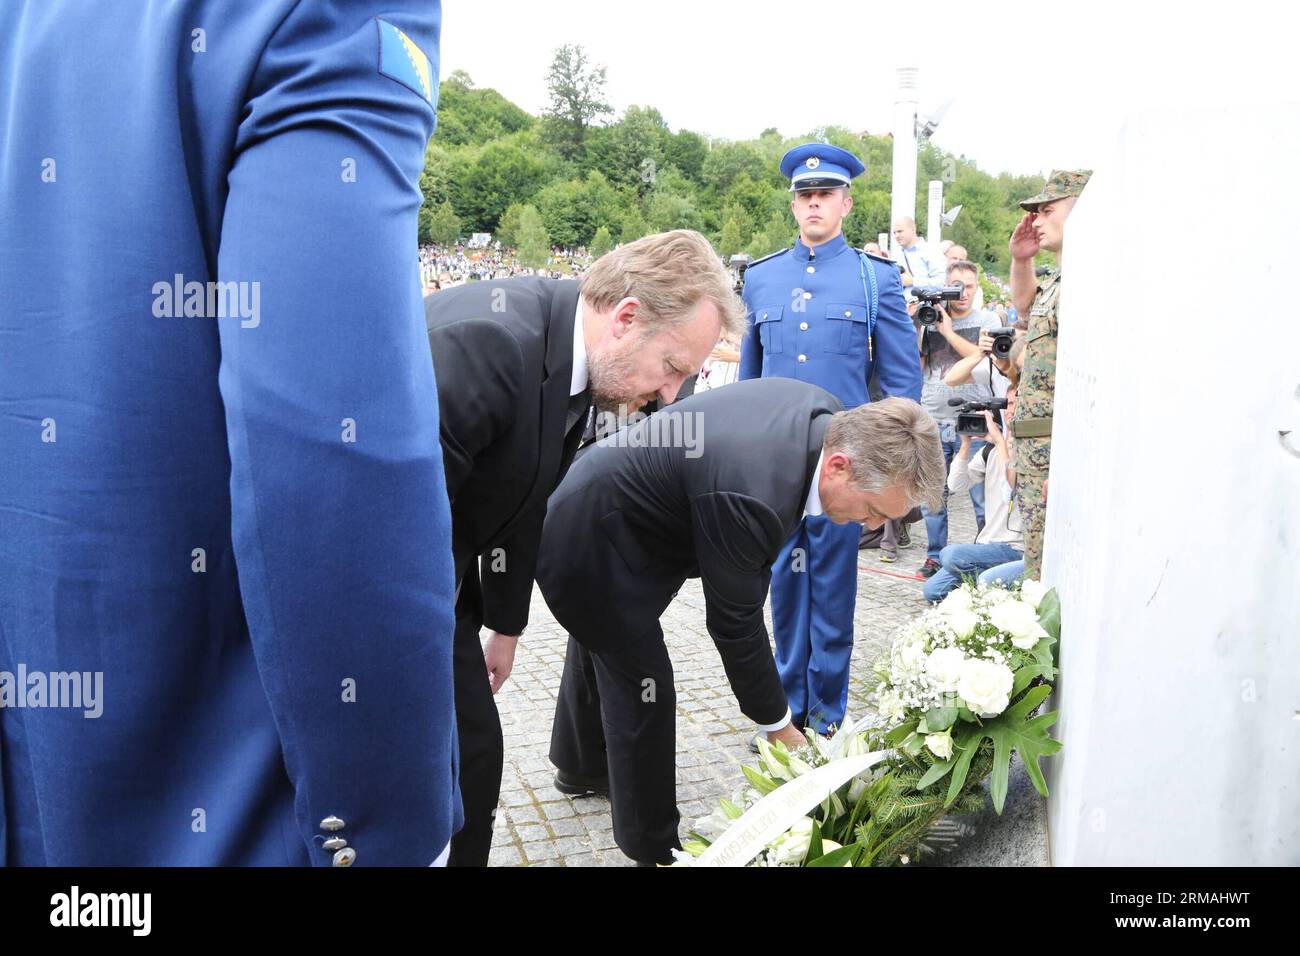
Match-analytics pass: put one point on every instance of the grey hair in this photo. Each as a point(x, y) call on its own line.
point(670, 273)
point(892, 442)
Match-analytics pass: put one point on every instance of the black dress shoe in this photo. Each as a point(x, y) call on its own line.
point(576, 786)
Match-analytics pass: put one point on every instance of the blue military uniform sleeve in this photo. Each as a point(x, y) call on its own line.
point(341, 527)
point(898, 364)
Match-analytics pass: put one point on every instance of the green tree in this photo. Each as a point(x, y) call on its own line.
point(686, 151)
point(601, 243)
point(726, 161)
point(777, 234)
point(486, 182)
point(576, 88)
point(507, 232)
point(440, 225)
point(572, 210)
point(671, 211)
point(733, 239)
point(467, 115)
point(634, 226)
point(631, 151)
point(534, 243)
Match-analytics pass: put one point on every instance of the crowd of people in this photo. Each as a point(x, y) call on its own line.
point(446, 266)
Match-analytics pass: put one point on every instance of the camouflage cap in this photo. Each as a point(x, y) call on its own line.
point(1062, 183)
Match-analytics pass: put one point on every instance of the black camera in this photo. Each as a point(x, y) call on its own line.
point(929, 296)
point(739, 263)
point(1003, 339)
point(970, 416)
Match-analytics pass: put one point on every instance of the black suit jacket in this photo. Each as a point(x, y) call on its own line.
point(503, 355)
point(635, 517)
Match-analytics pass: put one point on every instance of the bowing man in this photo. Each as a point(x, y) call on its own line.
point(710, 488)
point(520, 364)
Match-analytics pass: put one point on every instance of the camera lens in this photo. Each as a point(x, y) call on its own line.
point(1002, 346)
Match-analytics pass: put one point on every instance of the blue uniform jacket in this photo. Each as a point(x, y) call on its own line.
point(229, 502)
point(809, 316)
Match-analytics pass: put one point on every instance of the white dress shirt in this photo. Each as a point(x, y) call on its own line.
point(579, 380)
point(813, 506)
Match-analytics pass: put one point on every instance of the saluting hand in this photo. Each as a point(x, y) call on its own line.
point(1024, 240)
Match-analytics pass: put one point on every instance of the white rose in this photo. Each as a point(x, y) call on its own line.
point(940, 744)
point(985, 686)
point(910, 656)
point(890, 706)
point(792, 846)
point(963, 622)
point(1020, 621)
point(957, 600)
point(944, 668)
point(1032, 593)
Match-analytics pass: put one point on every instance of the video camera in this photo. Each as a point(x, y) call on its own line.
point(738, 264)
point(970, 418)
point(1003, 339)
point(929, 296)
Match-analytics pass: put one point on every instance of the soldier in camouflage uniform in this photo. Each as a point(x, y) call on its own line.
point(1041, 228)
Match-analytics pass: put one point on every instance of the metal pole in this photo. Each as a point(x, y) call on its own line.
point(934, 213)
point(903, 191)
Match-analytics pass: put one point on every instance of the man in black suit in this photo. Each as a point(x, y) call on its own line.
point(711, 488)
point(520, 362)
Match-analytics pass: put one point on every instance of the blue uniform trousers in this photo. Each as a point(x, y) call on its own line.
point(814, 591)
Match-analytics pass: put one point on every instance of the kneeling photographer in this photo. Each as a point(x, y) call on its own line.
point(945, 336)
point(998, 551)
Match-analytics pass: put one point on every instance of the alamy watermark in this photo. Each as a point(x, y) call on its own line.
point(77, 690)
point(668, 428)
point(209, 300)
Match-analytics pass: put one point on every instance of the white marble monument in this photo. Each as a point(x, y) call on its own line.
point(1173, 524)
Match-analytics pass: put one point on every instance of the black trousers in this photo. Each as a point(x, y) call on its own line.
point(616, 717)
point(478, 725)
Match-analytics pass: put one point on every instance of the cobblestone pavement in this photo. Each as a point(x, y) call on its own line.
point(539, 826)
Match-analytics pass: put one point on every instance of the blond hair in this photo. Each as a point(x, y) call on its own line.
point(892, 442)
point(669, 273)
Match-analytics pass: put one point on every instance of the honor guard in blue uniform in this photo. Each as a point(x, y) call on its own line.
point(825, 313)
point(226, 582)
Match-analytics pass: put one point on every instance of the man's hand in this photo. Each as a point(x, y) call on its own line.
point(963, 450)
point(985, 342)
point(1024, 240)
point(499, 656)
point(993, 434)
point(944, 325)
point(789, 736)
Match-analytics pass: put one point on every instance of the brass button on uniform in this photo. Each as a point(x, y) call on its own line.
point(345, 857)
point(847, 314)
point(807, 295)
point(334, 843)
point(803, 326)
point(331, 823)
point(803, 358)
point(812, 268)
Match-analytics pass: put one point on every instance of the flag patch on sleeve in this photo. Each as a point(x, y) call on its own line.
point(401, 60)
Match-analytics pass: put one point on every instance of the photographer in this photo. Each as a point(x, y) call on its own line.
point(986, 370)
point(999, 543)
point(949, 340)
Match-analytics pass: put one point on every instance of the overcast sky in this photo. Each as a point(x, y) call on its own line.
point(1034, 85)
